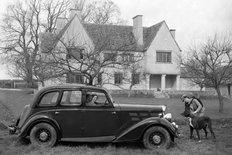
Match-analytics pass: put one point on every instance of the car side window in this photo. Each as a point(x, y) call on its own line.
point(94, 98)
point(49, 99)
point(71, 98)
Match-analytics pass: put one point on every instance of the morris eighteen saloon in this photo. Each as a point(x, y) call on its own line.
point(89, 114)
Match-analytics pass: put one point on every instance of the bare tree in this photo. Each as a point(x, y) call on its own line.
point(20, 41)
point(18, 46)
point(133, 73)
point(211, 64)
point(99, 12)
point(24, 21)
point(52, 10)
point(86, 60)
point(44, 71)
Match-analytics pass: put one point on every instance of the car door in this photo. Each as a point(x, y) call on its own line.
point(100, 121)
point(69, 115)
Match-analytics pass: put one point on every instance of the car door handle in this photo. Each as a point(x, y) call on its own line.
point(56, 113)
point(114, 112)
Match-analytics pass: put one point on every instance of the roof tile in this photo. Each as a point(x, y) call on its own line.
point(108, 37)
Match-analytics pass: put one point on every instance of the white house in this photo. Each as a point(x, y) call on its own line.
point(156, 45)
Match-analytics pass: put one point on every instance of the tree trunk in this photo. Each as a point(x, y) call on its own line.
point(29, 72)
point(90, 81)
point(43, 84)
point(220, 99)
point(29, 80)
point(228, 88)
point(130, 89)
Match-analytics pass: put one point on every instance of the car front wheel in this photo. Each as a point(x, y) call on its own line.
point(43, 134)
point(156, 137)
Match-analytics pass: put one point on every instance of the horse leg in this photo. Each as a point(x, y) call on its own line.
point(191, 132)
point(198, 135)
point(211, 130)
point(206, 133)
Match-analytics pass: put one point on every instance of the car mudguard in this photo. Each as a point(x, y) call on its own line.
point(136, 131)
point(35, 120)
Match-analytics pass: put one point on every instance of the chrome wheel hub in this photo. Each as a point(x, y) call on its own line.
point(156, 139)
point(43, 136)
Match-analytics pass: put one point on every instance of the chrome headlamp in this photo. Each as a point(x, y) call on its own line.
point(168, 116)
point(175, 125)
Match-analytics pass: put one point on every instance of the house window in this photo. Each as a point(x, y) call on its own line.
point(135, 78)
point(118, 78)
point(75, 53)
point(163, 56)
point(127, 57)
point(110, 56)
point(75, 78)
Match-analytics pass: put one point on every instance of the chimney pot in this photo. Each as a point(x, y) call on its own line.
point(60, 23)
point(74, 12)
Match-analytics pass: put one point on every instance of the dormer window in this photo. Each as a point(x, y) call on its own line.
point(75, 53)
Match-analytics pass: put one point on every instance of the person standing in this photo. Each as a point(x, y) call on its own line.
point(196, 106)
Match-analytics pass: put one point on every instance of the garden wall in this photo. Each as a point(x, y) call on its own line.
point(209, 93)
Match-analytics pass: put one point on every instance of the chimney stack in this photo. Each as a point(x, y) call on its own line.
point(173, 32)
point(60, 23)
point(138, 29)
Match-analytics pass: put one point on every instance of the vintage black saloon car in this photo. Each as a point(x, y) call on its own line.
point(88, 114)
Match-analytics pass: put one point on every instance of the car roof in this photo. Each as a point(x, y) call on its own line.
point(69, 85)
point(65, 86)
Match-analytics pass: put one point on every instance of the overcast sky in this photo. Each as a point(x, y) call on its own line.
point(194, 20)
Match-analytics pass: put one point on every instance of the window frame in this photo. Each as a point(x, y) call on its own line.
point(71, 90)
point(72, 78)
point(71, 50)
point(128, 57)
point(121, 78)
point(133, 78)
point(113, 57)
point(163, 56)
point(87, 91)
point(48, 105)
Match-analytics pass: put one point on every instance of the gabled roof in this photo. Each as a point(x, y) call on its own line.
point(62, 31)
point(113, 37)
point(149, 33)
point(49, 40)
point(121, 37)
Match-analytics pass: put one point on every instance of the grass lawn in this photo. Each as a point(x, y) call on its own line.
point(12, 103)
point(175, 106)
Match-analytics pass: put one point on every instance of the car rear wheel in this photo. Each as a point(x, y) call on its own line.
point(156, 137)
point(43, 134)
